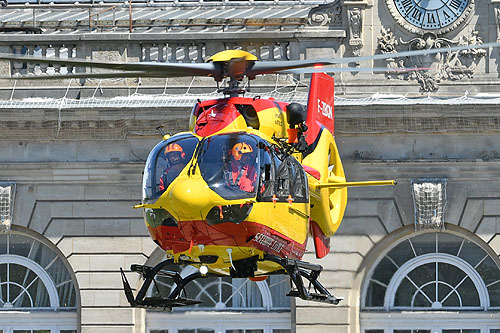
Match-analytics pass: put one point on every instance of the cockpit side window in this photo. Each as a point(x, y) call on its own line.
point(267, 174)
point(165, 163)
point(281, 177)
point(300, 187)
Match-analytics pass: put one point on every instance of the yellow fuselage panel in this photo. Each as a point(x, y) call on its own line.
point(189, 198)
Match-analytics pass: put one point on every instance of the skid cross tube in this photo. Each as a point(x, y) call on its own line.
point(297, 270)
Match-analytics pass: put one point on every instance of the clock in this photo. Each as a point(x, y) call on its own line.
point(437, 16)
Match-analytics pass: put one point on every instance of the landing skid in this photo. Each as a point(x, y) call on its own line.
point(297, 270)
point(148, 274)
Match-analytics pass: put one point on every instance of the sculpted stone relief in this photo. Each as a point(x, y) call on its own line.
point(497, 21)
point(325, 15)
point(433, 68)
point(330, 15)
point(355, 32)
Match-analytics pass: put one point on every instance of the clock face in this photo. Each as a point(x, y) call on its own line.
point(435, 15)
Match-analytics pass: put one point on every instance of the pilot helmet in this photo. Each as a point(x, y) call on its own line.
point(174, 152)
point(239, 149)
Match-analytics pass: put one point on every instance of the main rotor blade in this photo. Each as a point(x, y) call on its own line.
point(417, 52)
point(262, 67)
point(218, 70)
point(110, 75)
point(181, 69)
point(269, 67)
point(349, 70)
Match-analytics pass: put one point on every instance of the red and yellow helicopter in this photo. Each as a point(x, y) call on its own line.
point(240, 192)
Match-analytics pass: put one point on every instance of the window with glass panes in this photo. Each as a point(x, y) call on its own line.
point(439, 282)
point(37, 292)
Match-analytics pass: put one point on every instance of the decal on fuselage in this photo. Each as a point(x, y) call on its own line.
point(325, 109)
point(269, 242)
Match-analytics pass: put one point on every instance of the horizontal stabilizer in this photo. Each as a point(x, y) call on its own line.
point(353, 184)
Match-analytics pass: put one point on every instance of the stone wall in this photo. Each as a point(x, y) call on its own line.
point(80, 196)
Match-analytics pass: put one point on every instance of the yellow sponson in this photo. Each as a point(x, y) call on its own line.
point(232, 54)
point(328, 202)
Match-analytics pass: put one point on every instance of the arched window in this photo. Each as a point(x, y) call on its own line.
point(228, 305)
point(34, 277)
point(431, 282)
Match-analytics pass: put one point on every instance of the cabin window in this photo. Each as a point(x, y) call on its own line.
point(299, 185)
point(283, 179)
point(165, 163)
point(286, 178)
point(267, 174)
point(37, 291)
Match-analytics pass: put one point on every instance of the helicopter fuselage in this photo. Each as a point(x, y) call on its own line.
point(201, 209)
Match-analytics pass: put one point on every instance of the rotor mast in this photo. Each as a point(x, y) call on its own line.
point(233, 64)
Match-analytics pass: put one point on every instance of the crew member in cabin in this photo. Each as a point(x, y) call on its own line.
point(242, 172)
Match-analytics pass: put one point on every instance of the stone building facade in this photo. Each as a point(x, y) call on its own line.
point(418, 257)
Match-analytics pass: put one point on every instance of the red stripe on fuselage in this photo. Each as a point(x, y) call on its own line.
point(246, 234)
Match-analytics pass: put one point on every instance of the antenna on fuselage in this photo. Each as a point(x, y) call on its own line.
point(160, 129)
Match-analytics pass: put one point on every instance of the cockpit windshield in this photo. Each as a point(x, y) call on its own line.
point(234, 165)
point(229, 163)
point(165, 162)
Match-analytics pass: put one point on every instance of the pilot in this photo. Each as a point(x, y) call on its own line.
point(242, 170)
point(175, 157)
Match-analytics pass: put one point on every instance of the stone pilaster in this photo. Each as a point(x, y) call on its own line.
point(355, 18)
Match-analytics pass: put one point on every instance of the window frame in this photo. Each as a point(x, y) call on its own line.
point(219, 322)
point(386, 318)
point(53, 318)
point(389, 321)
point(40, 272)
point(416, 262)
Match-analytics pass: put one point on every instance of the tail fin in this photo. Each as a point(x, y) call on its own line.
point(320, 110)
point(327, 206)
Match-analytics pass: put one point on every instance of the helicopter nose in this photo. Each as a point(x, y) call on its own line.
point(189, 199)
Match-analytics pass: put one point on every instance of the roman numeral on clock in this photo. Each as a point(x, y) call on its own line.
point(416, 14)
point(430, 15)
point(447, 15)
point(431, 18)
point(407, 5)
point(455, 4)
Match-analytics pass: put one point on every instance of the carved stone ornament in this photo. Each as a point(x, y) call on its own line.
point(497, 21)
point(433, 68)
point(355, 15)
point(324, 15)
point(437, 17)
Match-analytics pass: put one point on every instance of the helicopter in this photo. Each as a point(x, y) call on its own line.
point(240, 193)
